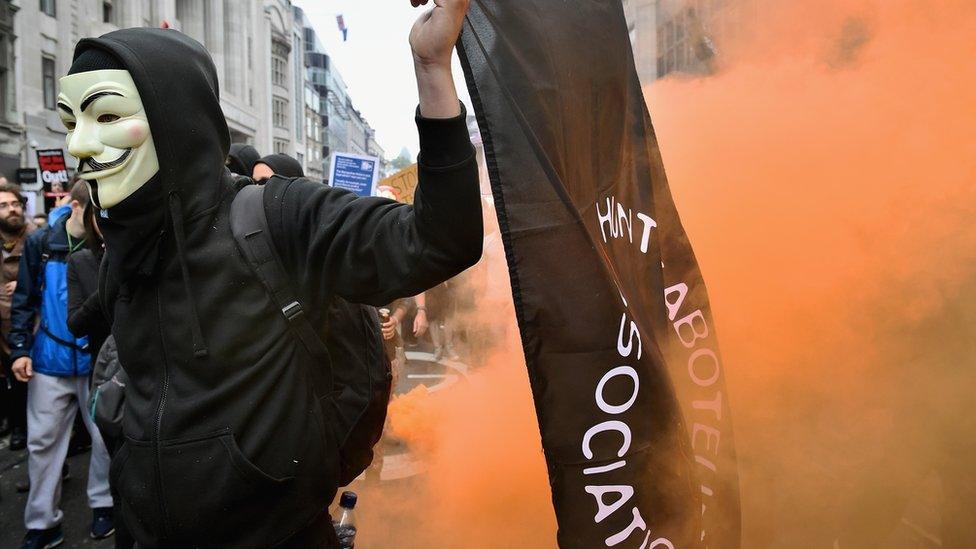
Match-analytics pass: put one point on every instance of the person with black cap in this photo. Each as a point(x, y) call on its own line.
point(241, 159)
point(276, 164)
point(230, 441)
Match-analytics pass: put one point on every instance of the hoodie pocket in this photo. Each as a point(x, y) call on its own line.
point(133, 477)
point(211, 489)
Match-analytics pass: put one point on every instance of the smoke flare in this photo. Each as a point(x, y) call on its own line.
point(826, 175)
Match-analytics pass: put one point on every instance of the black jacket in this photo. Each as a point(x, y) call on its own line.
point(226, 442)
point(242, 158)
point(85, 315)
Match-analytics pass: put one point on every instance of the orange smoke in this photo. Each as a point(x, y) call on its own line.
point(827, 178)
point(484, 483)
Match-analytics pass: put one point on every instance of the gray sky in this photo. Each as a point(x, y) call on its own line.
point(375, 63)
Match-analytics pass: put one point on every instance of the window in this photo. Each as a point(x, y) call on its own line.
point(279, 63)
point(4, 75)
point(50, 92)
point(149, 13)
point(278, 70)
point(182, 12)
point(49, 7)
point(279, 107)
point(107, 12)
point(280, 146)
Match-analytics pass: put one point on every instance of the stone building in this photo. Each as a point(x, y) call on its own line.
point(255, 44)
point(344, 129)
point(684, 36)
point(641, 23)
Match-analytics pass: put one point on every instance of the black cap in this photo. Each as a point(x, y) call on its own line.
point(348, 500)
point(95, 59)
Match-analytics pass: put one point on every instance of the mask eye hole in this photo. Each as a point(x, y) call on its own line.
point(69, 124)
point(106, 118)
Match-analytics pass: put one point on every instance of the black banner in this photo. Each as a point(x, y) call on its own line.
point(622, 356)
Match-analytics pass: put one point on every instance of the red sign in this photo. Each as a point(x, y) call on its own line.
point(54, 172)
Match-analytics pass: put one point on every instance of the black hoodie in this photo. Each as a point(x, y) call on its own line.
point(242, 158)
point(227, 444)
point(283, 165)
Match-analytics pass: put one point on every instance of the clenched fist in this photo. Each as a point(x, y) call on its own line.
point(432, 40)
point(434, 34)
point(23, 369)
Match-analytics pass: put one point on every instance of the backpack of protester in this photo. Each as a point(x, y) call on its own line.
point(107, 396)
point(361, 382)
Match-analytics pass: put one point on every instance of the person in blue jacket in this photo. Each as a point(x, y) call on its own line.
point(55, 364)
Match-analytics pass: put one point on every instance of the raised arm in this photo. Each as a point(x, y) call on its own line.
point(373, 250)
point(432, 41)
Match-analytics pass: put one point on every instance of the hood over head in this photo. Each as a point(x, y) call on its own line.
point(242, 158)
point(283, 165)
point(177, 82)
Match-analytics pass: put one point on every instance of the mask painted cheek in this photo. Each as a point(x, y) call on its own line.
point(125, 134)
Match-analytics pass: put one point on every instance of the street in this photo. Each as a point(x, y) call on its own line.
point(77, 515)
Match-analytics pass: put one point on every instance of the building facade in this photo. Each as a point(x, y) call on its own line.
point(314, 161)
point(684, 36)
point(642, 26)
point(274, 93)
point(343, 128)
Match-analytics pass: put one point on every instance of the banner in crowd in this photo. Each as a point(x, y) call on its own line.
point(612, 309)
point(354, 172)
point(405, 183)
point(54, 172)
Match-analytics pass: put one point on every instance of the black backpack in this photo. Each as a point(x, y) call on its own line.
point(358, 393)
point(106, 400)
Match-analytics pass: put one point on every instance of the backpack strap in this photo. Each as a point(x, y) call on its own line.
point(249, 224)
point(45, 257)
point(62, 342)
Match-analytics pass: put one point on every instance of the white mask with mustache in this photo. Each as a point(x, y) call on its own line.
point(108, 132)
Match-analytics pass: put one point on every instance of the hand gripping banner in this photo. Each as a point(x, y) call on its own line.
point(613, 313)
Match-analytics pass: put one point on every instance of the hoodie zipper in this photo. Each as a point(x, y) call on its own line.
point(157, 426)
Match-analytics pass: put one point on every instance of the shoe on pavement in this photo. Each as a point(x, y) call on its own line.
point(103, 523)
point(43, 539)
point(18, 439)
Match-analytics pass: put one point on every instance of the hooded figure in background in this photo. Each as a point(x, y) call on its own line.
point(241, 159)
point(276, 164)
point(228, 441)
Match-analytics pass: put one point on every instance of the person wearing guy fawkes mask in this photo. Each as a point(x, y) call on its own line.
point(227, 444)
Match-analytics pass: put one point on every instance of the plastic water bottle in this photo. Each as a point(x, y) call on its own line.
point(346, 525)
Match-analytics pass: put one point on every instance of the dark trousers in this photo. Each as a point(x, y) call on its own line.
point(13, 398)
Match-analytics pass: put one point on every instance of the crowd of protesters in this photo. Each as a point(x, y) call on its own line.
point(260, 384)
point(48, 416)
point(53, 325)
